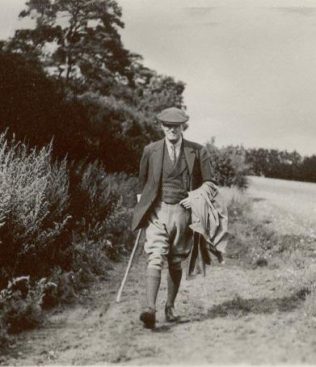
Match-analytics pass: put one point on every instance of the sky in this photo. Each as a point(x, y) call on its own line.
point(248, 65)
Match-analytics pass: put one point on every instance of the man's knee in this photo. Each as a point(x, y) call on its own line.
point(155, 261)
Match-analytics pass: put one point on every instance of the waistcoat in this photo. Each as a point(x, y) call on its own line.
point(175, 178)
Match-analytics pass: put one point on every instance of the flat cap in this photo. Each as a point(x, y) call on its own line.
point(173, 115)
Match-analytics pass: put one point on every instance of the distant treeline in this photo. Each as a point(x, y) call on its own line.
point(231, 164)
point(281, 164)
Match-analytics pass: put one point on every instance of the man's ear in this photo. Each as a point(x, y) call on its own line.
point(185, 126)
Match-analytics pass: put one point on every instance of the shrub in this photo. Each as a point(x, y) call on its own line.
point(20, 303)
point(61, 288)
point(33, 209)
point(229, 165)
point(101, 206)
point(43, 220)
point(57, 231)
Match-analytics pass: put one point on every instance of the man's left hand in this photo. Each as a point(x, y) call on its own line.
point(186, 202)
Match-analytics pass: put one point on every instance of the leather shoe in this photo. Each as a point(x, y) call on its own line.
point(148, 317)
point(170, 314)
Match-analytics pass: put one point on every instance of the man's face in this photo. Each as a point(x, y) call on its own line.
point(172, 132)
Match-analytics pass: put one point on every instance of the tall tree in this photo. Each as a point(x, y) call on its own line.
point(78, 41)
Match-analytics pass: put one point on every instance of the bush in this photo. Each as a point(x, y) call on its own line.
point(101, 206)
point(33, 209)
point(20, 303)
point(62, 289)
point(44, 215)
point(229, 165)
point(58, 231)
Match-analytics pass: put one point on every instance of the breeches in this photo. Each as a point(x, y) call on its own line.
point(168, 236)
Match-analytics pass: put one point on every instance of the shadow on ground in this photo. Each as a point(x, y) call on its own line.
point(240, 306)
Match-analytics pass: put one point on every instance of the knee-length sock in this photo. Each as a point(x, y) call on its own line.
point(153, 278)
point(174, 280)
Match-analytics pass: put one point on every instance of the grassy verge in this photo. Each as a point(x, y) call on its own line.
point(254, 245)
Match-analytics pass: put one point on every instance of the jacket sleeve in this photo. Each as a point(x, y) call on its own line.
point(207, 173)
point(143, 171)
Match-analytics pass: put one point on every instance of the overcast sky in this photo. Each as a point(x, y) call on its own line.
point(249, 65)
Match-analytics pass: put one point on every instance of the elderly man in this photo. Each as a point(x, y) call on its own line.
point(169, 169)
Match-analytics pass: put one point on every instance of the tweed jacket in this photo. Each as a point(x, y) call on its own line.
point(209, 224)
point(150, 172)
point(209, 215)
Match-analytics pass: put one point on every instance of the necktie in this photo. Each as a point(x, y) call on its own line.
point(173, 154)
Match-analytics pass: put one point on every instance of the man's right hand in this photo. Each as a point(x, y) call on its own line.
point(186, 203)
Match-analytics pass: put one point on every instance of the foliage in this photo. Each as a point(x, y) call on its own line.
point(33, 209)
point(281, 164)
point(101, 206)
point(307, 171)
point(229, 165)
point(117, 132)
point(60, 225)
point(20, 303)
point(78, 41)
point(46, 208)
point(154, 92)
point(113, 129)
point(63, 288)
point(97, 99)
point(34, 109)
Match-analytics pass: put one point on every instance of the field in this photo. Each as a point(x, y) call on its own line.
point(257, 308)
point(290, 205)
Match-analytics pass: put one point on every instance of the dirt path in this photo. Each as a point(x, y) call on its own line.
point(233, 315)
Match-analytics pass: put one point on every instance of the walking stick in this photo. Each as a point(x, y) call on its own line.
point(129, 265)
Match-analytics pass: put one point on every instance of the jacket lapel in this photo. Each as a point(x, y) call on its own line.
point(189, 156)
point(158, 159)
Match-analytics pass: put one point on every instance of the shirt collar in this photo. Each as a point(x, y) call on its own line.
point(177, 145)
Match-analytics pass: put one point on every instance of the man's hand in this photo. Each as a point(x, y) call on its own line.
point(138, 197)
point(186, 202)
